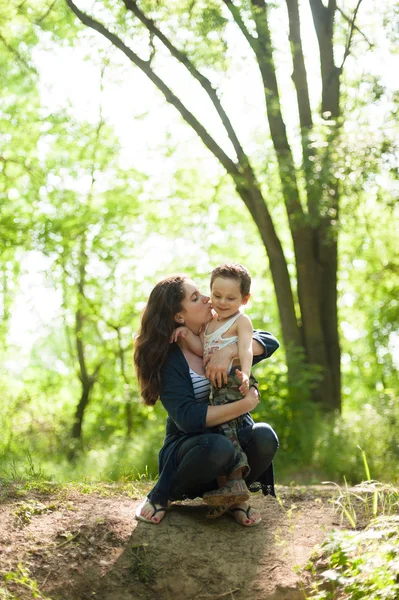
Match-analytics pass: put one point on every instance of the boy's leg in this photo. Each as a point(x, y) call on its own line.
point(224, 395)
point(230, 430)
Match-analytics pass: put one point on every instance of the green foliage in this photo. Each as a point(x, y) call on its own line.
point(365, 501)
point(26, 510)
point(141, 566)
point(361, 564)
point(103, 232)
point(21, 581)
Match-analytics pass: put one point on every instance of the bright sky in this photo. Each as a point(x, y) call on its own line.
point(143, 120)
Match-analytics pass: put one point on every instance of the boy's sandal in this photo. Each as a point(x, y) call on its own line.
point(140, 517)
point(231, 512)
point(234, 491)
point(218, 511)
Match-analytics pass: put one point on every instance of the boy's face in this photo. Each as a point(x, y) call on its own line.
point(226, 297)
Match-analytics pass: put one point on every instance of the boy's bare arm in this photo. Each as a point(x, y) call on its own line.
point(193, 341)
point(245, 332)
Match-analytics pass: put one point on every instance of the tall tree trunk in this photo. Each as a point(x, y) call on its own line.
point(326, 240)
point(85, 379)
point(307, 267)
point(127, 387)
point(312, 215)
point(76, 433)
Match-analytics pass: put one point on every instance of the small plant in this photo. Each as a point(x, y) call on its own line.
point(30, 472)
point(360, 564)
point(141, 567)
point(364, 501)
point(26, 510)
point(21, 578)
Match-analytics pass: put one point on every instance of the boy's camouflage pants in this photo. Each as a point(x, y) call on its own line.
point(231, 393)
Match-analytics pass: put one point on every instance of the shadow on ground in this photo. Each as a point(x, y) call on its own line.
point(91, 547)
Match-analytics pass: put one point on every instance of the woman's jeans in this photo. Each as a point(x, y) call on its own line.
point(202, 458)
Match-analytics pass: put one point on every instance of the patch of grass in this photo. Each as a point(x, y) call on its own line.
point(141, 567)
point(129, 489)
point(30, 470)
point(359, 564)
point(21, 488)
point(362, 562)
point(26, 510)
point(10, 490)
point(363, 502)
point(17, 581)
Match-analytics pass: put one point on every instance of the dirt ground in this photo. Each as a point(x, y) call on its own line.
point(71, 545)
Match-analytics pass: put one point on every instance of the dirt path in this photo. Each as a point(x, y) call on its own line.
point(77, 546)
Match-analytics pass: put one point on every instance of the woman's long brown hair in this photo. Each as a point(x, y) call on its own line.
point(152, 342)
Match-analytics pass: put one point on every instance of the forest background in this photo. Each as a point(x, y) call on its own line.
point(105, 188)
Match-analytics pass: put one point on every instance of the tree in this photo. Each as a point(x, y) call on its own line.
point(309, 186)
point(20, 172)
point(85, 225)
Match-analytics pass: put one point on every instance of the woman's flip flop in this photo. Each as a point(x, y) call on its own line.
point(231, 512)
point(140, 517)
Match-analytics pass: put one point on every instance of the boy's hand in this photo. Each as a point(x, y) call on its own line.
point(244, 387)
point(178, 332)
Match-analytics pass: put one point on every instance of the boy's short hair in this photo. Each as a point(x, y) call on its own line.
point(234, 271)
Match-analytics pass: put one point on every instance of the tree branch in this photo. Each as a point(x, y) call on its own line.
point(299, 75)
point(349, 20)
point(319, 14)
point(323, 19)
point(264, 55)
point(170, 97)
point(350, 34)
point(46, 14)
point(238, 19)
point(186, 62)
point(18, 56)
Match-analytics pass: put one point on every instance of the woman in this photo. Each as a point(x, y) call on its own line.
point(193, 456)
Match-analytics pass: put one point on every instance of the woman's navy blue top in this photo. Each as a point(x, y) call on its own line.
point(187, 417)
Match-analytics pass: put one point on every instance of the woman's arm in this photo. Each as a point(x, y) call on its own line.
point(177, 397)
point(266, 343)
point(217, 415)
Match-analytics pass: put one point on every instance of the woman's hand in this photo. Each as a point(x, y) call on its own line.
point(216, 415)
point(253, 398)
point(216, 364)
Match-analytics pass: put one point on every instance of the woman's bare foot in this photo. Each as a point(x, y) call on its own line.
point(149, 512)
point(245, 515)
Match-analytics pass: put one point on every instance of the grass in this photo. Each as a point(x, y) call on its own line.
point(20, 578)
point(26, 510)
point(361, 562)
point(140, 566)
point(358, 562)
